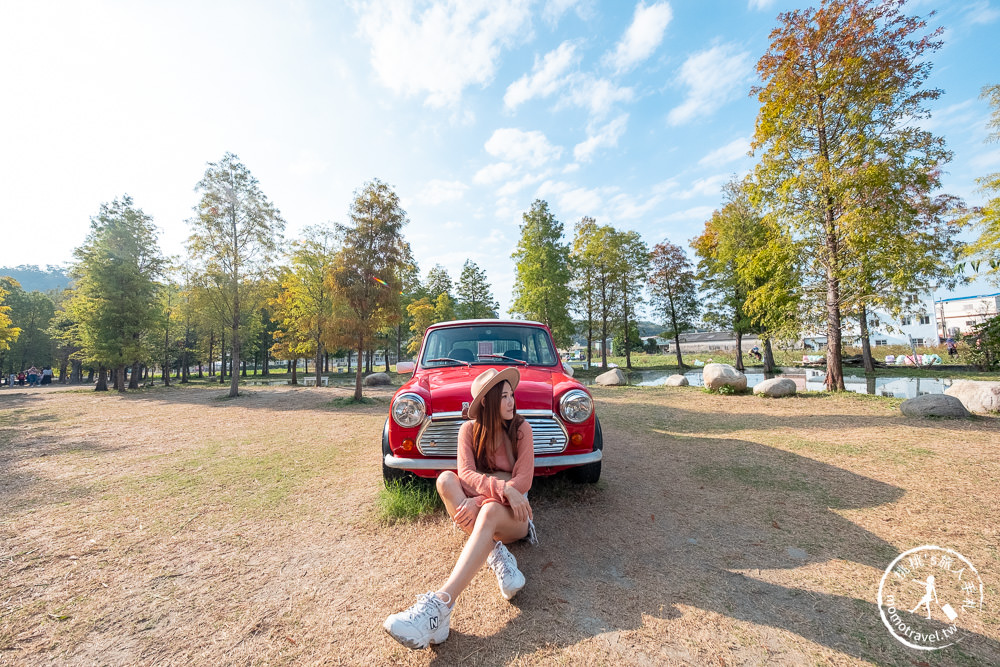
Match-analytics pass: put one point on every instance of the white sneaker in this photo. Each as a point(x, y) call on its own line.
point(504, 565)
point(426, 622)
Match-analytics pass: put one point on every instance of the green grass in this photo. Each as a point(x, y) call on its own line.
point(407, 502)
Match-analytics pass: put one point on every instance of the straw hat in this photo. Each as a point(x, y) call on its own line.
point(486, 381)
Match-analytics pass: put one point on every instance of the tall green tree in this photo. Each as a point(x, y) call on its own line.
point(475, 297)
point(370, 263)
point(234, 235)
point(8, 332)
point(542, 275)
point(306, 299)
point(632, 255)
point(438, 282)
point(673, 291)
point(987, 217)
point(30, 314)
point(115, 301)
point(584, 285)
point(842, 85)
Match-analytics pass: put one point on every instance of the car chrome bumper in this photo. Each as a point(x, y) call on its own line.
point(452, 464)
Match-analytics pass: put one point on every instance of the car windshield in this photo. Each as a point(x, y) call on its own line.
point(488, 344)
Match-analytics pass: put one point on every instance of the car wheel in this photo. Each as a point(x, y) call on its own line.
point(391, 476)
point(590, 473)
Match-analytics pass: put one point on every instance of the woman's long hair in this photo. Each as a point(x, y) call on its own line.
point(488, 428)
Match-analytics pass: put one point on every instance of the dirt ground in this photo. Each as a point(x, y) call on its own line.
point(176, 527)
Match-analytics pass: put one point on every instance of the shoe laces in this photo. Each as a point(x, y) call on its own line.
point(503, 560)
point(426, 603)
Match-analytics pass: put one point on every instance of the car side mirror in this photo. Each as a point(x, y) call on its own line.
point(567, 368)
point(405, 367)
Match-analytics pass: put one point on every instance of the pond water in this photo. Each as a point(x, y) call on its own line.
point(812, 380)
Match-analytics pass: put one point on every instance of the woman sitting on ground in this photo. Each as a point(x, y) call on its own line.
point(487, 499)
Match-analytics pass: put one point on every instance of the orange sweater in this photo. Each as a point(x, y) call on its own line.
point(486, 488)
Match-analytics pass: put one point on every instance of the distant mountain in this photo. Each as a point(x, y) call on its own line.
point(33, 278)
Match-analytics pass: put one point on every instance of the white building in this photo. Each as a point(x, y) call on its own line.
point(960, 314)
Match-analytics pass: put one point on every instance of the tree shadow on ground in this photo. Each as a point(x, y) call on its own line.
point(682, 524)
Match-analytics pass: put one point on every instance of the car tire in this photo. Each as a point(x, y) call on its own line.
point(391, 476)
point(590, 473)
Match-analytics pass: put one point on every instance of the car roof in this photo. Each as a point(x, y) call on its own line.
point(454, 323)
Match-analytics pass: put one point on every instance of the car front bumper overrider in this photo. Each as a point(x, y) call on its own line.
point(452, 464)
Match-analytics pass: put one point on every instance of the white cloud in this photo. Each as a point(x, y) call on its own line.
point(514, 186)
point(695, 213)
point(604, 137)
point(626, 207)
point(986, 160)
point(438, 191)
point(545, 78)
point(444, 48)
point(492, 173)
point(712, 78)
point(982, 13)
point(731, 152)
point(760, 4)
point(708, 187)
point(642, 37)
point(597, 95)
point(554, 9)
point(569, 198)
point(531, 148)
point(571, 167)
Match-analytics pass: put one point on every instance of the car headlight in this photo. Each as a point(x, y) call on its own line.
point(408, 410)
point(576, 406)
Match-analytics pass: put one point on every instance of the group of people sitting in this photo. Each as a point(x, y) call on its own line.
point(31, 377)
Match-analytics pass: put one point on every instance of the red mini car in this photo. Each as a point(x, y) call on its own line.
point(421, 433)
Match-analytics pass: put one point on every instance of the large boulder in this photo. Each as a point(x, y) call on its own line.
point(976, 396)
point(775, 387)
point(676, 381)
point(717, 376)
point(934, 405)
point(611, 378)
point(376, 379)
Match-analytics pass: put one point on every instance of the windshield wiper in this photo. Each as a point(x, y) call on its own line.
point(504, 356)
point(457, 361)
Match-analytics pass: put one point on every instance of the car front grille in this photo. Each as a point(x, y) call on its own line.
point(440, 437)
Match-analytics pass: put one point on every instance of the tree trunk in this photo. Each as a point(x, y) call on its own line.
point(319, 364)
point(677, 333)
point(387, 358)
point(768, 356)
point(102, 379)
point(76, 375)
point(234, 383)
point(295, 372)
point(133, 381)
point(222, 360)
point(211, 356)
point(120, 379)
point(350, 355)
point(866, 343)
point(739, 352)
point(677, 348)
point(357, 374)
point(628, 343)
point(90, 376)
point(63, 363)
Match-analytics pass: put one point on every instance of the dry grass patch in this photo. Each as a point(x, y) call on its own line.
point(172, 527)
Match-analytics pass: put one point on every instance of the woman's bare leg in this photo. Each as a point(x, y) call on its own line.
point(494, 522)
point(449, 487)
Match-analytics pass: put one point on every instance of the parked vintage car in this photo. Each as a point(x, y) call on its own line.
point(421, 432)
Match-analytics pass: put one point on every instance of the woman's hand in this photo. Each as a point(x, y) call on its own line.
point(518, 503)
point(465, 513)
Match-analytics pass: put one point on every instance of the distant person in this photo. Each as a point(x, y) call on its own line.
point(487, 499)
point(952, 347)
point(47, 375)
point(755, 353)
point(12, 379)
point(32, 377)
point(21, 378)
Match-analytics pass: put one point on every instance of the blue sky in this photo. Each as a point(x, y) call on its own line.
point(634, 114)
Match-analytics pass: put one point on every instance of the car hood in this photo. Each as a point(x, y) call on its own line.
point(450, 387)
